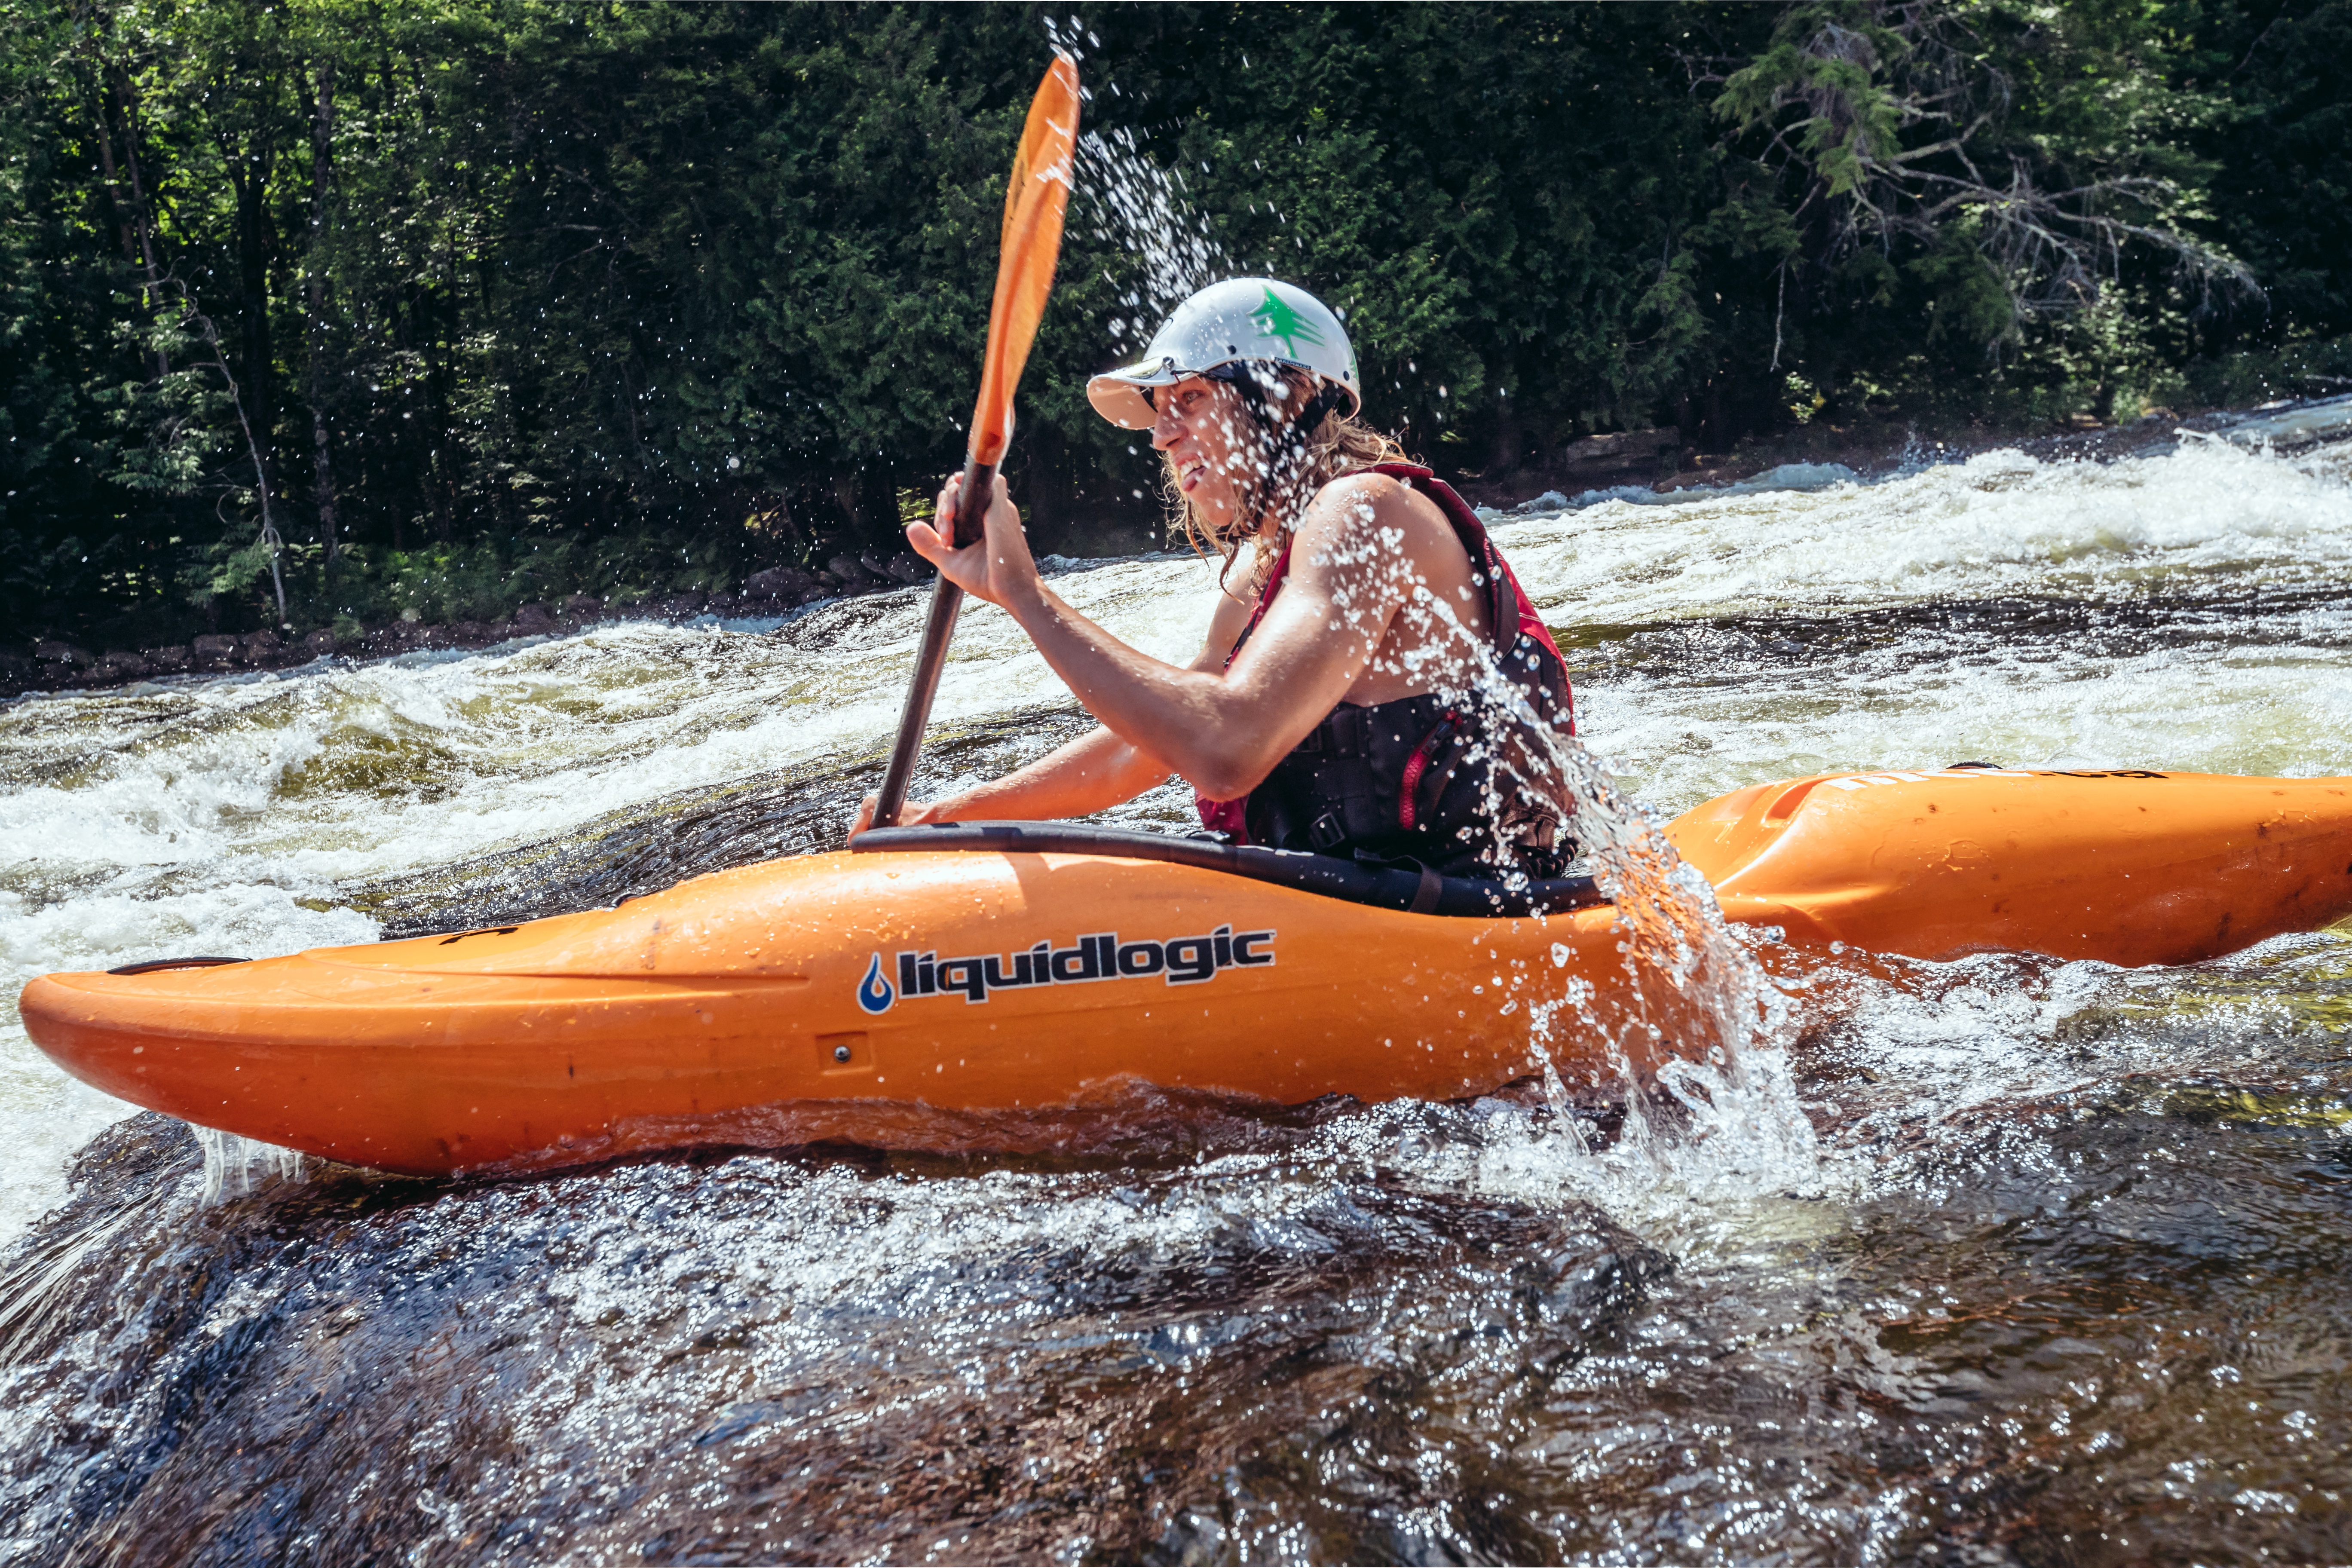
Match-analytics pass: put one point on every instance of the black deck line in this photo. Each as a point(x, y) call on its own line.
point(1327, 875)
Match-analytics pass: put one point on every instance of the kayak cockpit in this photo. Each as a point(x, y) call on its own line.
point(1413, 888)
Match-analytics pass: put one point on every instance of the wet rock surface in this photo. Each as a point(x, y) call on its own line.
point(756, 1357)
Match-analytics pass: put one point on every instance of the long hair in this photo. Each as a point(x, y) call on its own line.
point(1295, 461)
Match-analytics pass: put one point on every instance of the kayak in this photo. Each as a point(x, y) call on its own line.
point(928, 984)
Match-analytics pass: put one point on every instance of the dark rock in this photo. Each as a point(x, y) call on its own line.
point(117, 665)
point(719, 604)
point(852, 572)
point(396, 637)
point(534, 620)
point(1627, 449)
point(899, 568)
point(168, 660)
point(679, 605)
point(320, 644)
point(260, 650)
point(583, 606)
point(14, 670)
point(61, 655)
point(829, 583)
point(214, 652)
point(781, 584)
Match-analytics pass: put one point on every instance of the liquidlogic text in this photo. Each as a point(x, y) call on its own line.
point(1100, 955)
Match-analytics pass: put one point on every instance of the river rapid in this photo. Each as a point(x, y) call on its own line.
point(2063, 1276)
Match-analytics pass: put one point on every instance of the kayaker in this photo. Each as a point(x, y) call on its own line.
point(1346, 698)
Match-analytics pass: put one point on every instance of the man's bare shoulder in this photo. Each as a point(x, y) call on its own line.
point(1352, 491)
point(1350, 501)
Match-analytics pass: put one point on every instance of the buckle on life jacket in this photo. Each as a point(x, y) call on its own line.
point(1327, 831)
point(1339, 738)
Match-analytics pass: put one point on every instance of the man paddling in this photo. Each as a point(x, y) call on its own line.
point(1374, 680)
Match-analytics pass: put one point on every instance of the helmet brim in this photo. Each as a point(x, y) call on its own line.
point(1121, 395)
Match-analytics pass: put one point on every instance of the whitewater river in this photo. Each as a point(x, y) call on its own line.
point(2061, 1271)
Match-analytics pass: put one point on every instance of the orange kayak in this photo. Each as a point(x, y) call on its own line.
point(932, 983)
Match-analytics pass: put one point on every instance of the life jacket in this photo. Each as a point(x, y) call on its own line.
point(1419, 778)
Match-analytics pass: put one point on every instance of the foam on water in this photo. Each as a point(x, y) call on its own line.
point(226, 816)
point(2260, 699)
point(2207, 516)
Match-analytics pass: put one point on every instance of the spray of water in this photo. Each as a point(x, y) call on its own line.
point(1136, 208)
point(234, 1165)
point(1693, 1029)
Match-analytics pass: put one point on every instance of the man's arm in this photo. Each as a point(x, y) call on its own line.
point(1091, 773)
point(1355, 559)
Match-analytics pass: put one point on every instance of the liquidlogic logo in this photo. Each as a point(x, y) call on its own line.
point(1179, 960)
point(874, 992)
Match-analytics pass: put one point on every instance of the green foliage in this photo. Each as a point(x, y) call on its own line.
point(565, 293)
point(488, 580)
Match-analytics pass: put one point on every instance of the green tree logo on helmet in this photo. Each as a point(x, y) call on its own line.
point(1275, 318)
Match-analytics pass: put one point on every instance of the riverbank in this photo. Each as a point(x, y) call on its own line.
point(1650, 466)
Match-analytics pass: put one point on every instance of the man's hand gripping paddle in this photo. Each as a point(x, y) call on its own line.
point(1024, 273)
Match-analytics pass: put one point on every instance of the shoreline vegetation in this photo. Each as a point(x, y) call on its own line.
point(1604, 465)
point(351, 326)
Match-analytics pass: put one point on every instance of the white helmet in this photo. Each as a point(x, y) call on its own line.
point(1234, 322)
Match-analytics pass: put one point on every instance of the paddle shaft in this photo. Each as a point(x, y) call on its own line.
point(931, 654)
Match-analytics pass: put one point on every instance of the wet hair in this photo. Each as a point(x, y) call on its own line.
point(1302, 453)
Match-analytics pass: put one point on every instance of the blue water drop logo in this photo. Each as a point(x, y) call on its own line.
point(876, 993)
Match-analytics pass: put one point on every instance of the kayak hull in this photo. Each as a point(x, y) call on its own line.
point(919, 998)
point(585, 1036)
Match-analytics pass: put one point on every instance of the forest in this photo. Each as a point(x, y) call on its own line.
point(320, 314)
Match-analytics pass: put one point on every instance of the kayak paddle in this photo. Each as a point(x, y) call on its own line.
point(1033, 204)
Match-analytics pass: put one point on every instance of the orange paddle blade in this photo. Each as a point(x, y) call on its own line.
point(1033, 204)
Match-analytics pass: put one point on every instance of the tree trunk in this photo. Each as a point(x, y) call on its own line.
point(1509, 444)
point(847, 497)
point(269, 535)
point(249, 176)
point(441, 373)
point(878, 496)
point(322, 129)
point(142, 222)
point(118, 209)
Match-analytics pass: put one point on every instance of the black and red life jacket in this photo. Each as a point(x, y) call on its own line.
point(1421, 778)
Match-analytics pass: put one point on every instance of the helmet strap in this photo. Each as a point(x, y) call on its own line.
point(1291, 443)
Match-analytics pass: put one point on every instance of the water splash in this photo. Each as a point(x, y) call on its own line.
point(1695, 1036)
point(234, 1165)
point(1137, 208)
point(1697, 1033)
